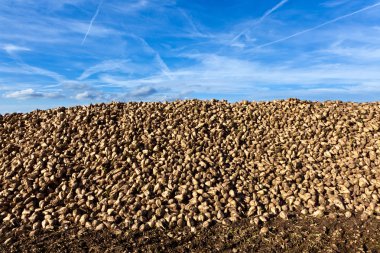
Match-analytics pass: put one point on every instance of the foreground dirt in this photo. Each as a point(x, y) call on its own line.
point(298, 234)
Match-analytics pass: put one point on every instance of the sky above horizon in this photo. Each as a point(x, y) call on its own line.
point(77, 52)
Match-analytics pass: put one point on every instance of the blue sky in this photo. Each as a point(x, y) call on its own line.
point(70, 52)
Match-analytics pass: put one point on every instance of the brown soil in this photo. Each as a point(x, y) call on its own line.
point(294, 235)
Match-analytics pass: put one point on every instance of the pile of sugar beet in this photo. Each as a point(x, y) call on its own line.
point(187, 164)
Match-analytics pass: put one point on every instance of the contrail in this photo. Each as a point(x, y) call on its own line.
point(319, 26)
point(92, 21)
point(266, 14)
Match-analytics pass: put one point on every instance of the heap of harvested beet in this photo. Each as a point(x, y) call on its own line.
point(138, 166)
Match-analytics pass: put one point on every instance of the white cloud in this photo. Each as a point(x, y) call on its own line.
point(96, 30)
point(47, 4)
point(4, 87)
point(136, 6)
point(215, 74)
point(87, 95)
point(30, 93)
point(132, 7)
point(356, 53)
point(140, 92)
point(10, 48)
point(144, 91)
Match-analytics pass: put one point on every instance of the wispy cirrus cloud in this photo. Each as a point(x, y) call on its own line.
point(194, 30)
point(23, 69)
point(261, 19)
point(43, 72)
point(107, 66)
point(128, 66)
point(320, 25)
point(364, 53)
point(160, 62)
point(334, 3)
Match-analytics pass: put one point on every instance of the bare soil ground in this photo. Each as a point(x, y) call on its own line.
point(297, 234)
